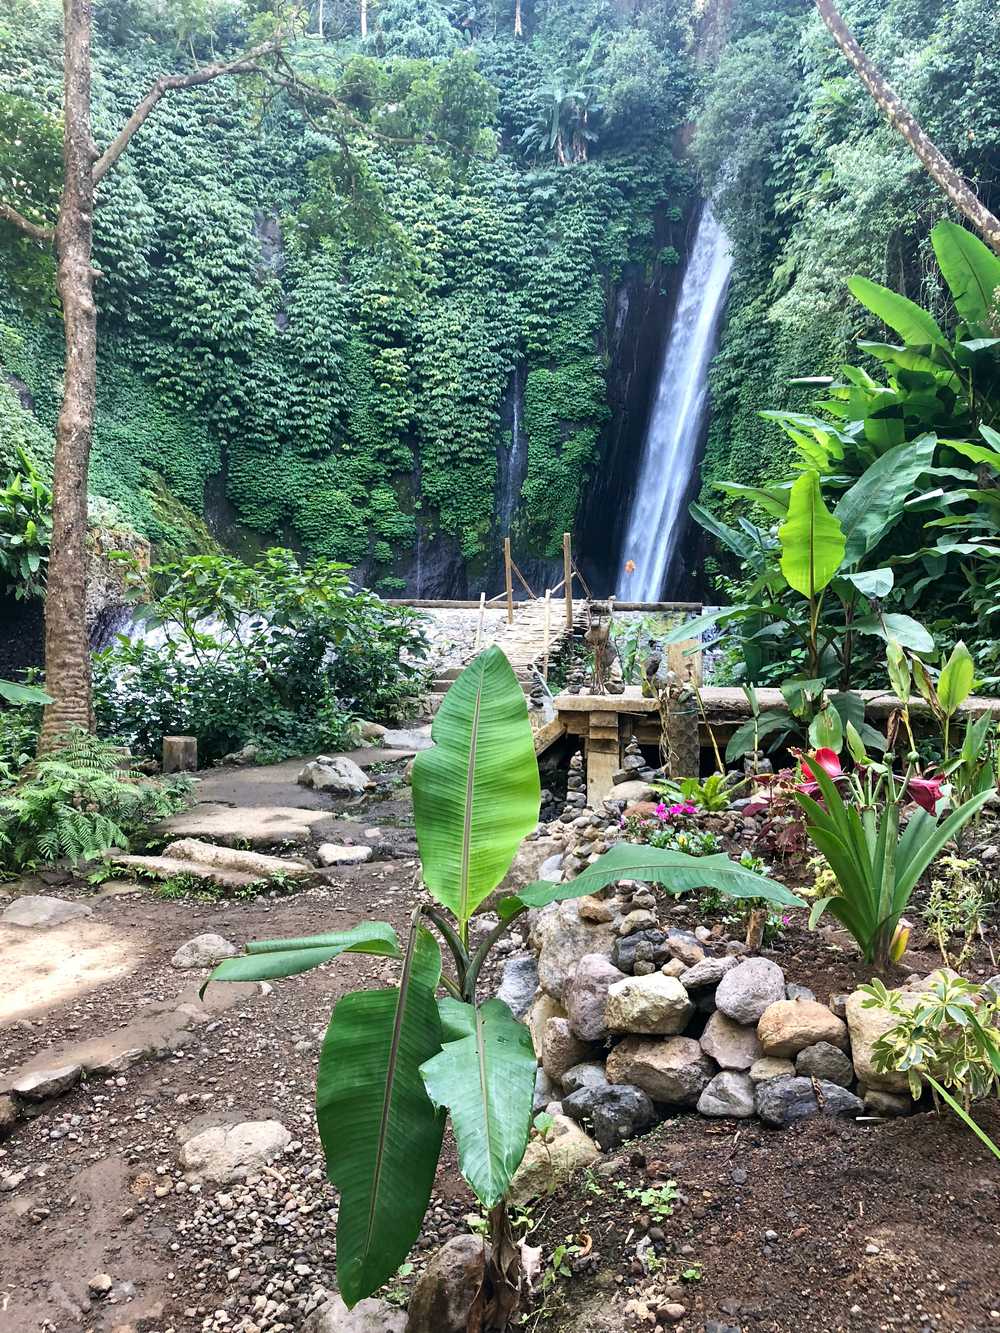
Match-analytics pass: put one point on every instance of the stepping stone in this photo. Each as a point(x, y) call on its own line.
point(255, 864)
point(37, 912)
point(169, 867)
point(260, 825)
point(41, 1084)
point(330, 854)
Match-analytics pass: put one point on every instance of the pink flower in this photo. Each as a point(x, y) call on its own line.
point(926, 792)
point(826, 759)
point(661, 811)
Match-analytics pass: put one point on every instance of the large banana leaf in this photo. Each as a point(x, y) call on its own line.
point(266, 959)
point(675, 871)
point(894, 625)
point(487, 1081)
point(476, 791)
point(812, 541)
point(876, 500)
point(381, 1133)
point(913, 324)
point(690, 629)
point(970, 268)
point(14, 693)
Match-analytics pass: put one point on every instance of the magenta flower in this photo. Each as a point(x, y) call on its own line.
point(926, 792)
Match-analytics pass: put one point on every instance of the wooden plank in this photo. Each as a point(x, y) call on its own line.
point(547, 735)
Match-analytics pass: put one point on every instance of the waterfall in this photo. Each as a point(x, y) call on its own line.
point(512, 464)
point(677, 417)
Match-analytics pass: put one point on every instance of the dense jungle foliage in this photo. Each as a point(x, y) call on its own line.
point(313, 339)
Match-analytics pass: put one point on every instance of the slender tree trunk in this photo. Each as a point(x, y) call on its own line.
point(518, 29)
point(364, 18)
point(67, 651)
point(905, 123)
point(319, 22)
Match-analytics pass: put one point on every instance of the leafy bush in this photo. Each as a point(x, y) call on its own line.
point(275, 653)
point(25, 529)
point(78, 802)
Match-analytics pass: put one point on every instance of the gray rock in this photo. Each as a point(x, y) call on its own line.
point(888, 1104)
point(781, 1101)
point(37, 1085)
point(565, 1149)
point(37, 912)
point(407, 738)
point(793, 991)
point(824, 1060)
point(203, 951)
point(332, 854)
point(731, 1045)
point(633, 922)
point(447, 1288)
point(615, 1111)
point(233, 1152)
point(519, 983)
point(749, 988)
point(653, 1005)
point(562, 939)
point(368, 1316)
point(673, 1071)
point(838, 1005)
point(589, 1074)
point(770, 1066)
point(709, 972)
point(545, 1091)
point(587, 996)
point(335, 774)
point(728, 1094)
point(561, 1048)
point(648, 945)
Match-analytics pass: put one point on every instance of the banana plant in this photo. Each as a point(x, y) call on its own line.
point(397, 1060)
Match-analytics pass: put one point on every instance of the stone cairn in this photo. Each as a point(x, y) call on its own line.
point(576, 787)
point(634, 766)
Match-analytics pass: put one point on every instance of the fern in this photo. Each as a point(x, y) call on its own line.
point(79, 802)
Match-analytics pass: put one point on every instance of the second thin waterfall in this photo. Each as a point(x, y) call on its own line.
point(677, 417)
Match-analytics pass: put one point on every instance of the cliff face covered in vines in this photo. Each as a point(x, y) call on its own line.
point(331, 365)
point(813, 186)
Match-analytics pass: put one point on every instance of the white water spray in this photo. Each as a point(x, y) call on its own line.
point(677, 417)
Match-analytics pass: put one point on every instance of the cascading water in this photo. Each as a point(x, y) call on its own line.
point(677, 417)
point(512, 463)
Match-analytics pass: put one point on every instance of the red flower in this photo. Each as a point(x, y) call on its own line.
point(826, 759)
point(926, 792)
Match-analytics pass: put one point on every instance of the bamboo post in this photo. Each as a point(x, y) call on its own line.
point(548, 623)
point(568, 578)
point(509, 580)
point(482, 617)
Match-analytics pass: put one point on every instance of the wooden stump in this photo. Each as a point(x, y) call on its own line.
point(180, 754)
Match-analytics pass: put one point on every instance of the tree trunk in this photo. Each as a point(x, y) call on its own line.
point(905, 123)
point(319, 21)
point(518, 29)
point(67, 651)
point(364, 18)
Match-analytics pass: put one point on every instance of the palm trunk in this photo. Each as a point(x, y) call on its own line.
point(906, 124)
point(67, 651)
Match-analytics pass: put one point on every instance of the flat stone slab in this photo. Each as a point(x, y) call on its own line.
point(408, 738)
point(255, 864)
point(258, 825)
point(36, 912)
point(169, 867)
point(330, 854)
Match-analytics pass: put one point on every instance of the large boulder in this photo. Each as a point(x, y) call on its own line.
point(368, 1316)
point(673, 1071)
point(447, 1288)
point(654, 1005)
point(728, 1094)
point(789, 1026)
point(770, 1067)
point(564, 1149)
point(588, 1074)
point(709, 972)
point(614, 1111)
point(542, 1009)
point(335, 774)
point(38, 912)
point(561, 1050)
point(749, 988)
point(731, 1045)
point(562, 939)
point(865, 1027)
point(780, 1101)
point(531, 863)
point(519, 983)
point(233, 1152)
point(587, 996)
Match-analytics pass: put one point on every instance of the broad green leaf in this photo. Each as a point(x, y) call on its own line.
point(266, 959)
point(955, 682)
point(873, 504)
point(692, 628)
point(675, 871)
point(872, 582)
point(855, 744)
point(924, 853)
point(487, 1082)
point(22, 694)
point(913, 324)
point(767, 723)
point(381, 1133)
point(904, 629)
point(899, 670)
point(826, 730)
point(737, 542)
point(970, 268)
point(476, 792)
point(458, 1019)
point(812, 541)
point(978, 453)
point(774, 500)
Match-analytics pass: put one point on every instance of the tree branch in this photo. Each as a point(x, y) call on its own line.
point(32, 229)
point(906, 124)
point(245, 64)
